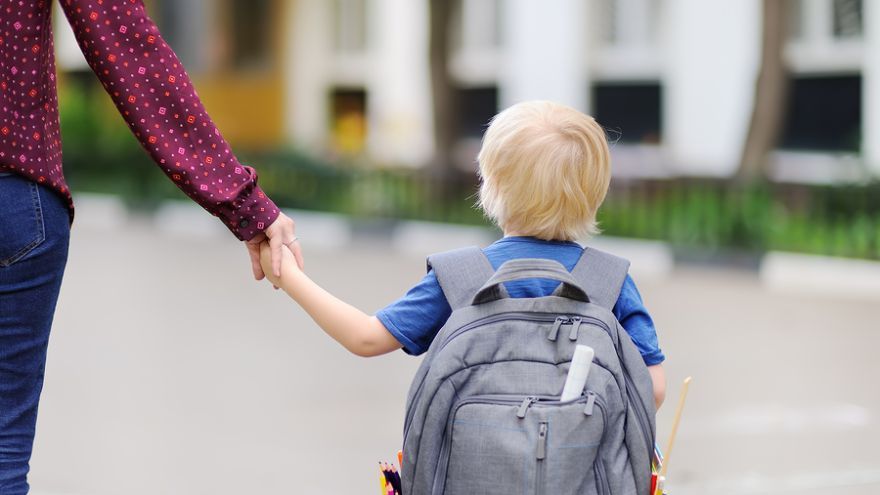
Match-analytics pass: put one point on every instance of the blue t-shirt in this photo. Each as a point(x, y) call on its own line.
point(415, 318)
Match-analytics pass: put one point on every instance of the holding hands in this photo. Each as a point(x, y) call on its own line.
point(288, 263)
point(280, 238)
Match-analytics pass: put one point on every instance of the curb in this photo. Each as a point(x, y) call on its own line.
point(809, 274)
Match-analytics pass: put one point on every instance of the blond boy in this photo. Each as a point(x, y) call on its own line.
point(545, 170)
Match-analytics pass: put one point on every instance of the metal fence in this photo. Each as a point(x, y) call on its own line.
point(699, 214)
point(691, 214)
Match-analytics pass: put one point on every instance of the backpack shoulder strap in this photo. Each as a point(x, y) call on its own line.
point(601, 275)
point(461, 273)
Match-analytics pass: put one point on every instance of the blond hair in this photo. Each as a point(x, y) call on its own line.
point(545, 170)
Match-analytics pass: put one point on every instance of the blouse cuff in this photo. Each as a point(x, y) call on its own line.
point(249, 214)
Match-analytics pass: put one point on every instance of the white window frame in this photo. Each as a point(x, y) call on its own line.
point(477, 53)
point(349, 17)
point(817, 50)
point(349, 66)
point(635, 53)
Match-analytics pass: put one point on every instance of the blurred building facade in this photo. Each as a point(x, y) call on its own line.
point(233, 50)
point(672, 80)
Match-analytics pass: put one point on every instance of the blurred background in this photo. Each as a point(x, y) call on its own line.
point(746, 150)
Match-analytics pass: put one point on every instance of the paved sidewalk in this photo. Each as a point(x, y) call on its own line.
point(171, 372)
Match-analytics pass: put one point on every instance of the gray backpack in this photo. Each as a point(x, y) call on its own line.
point(483, 415)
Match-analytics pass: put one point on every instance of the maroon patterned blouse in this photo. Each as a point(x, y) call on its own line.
point(151, 90)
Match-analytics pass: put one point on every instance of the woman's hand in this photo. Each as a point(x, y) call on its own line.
point(281, 238)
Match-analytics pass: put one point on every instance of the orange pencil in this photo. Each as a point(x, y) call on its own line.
point(400, 459)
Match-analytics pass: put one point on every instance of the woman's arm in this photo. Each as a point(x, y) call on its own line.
point(357, 331)
point(154, 95)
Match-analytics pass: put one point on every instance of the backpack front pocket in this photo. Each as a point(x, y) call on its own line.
point(521, 445)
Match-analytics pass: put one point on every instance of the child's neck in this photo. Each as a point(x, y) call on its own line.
point(514, 233)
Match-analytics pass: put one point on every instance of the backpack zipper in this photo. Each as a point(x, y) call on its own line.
point(641, 414)
point(527, 402)
point(540, 455)
point(602, 485)
point(511, 316)
point(575, 328)
point(554, 331)
point(535, 317)
point(574, 321)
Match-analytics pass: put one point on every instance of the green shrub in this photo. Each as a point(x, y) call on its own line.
point(843, 220)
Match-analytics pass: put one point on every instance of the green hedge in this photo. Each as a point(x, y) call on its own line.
point(839, 220)
point(843, 220)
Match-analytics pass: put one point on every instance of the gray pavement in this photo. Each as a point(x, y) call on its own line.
point(172, 372)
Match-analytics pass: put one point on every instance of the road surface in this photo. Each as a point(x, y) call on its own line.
point(171, 372)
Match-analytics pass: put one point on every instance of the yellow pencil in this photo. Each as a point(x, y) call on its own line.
point(382, 487)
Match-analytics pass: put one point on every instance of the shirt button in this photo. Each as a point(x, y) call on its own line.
point(243, 224)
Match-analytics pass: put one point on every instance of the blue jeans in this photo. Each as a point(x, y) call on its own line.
point(34, 235)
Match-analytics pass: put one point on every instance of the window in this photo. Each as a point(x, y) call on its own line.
point(796, 20)
point(627, 22)
point(349, 26)
point(476, 107)
point(631, 111)
point(218, 35)
point(348, 109)
point(605, 13)
point(824, 114)
point(848, 18)
point(476, 25)
point(182, 23)
point(250, 25)
point(826, 37)
point(812, 21)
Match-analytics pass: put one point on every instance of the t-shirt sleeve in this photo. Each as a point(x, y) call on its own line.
point(633, 316)
point(415, 318)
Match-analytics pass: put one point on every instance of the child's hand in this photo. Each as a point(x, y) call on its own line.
point(288, 262)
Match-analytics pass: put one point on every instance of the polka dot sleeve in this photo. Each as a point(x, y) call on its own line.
point(155, 96)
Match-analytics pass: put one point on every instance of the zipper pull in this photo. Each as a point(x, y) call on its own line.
point(591, 401)
point(560, 320)
point(575, 328)
point(541, 451)
point(524, 407)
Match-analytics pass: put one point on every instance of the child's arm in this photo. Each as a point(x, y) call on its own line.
point(658, 376)
point(357, 331)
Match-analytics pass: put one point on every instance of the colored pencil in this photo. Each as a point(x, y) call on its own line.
point(395, 480)
point(382, 481)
